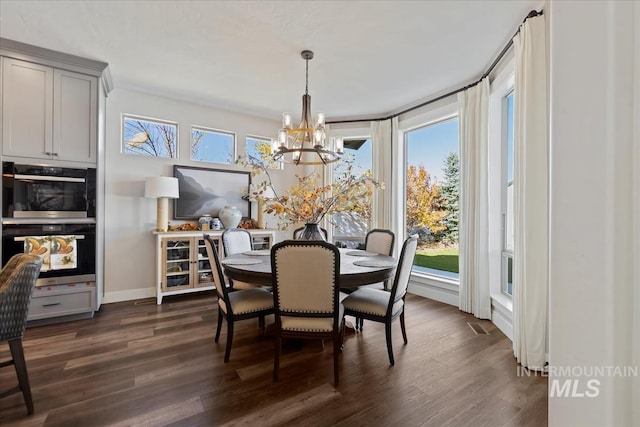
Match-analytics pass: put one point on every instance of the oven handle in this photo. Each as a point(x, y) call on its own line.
point(48, 178)
point(22, 239)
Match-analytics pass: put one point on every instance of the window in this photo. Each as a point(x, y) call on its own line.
point(350, 229)
point(432, 171)
point(210, 145)
point(149, 137)
point(507, 195)
point(258, 149)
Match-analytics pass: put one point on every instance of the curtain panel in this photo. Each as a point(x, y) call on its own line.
point(531, 196)
point(475, 294)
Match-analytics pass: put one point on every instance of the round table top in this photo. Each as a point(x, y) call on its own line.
point(350, 274)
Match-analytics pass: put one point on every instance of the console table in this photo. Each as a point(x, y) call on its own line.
point(182, 264)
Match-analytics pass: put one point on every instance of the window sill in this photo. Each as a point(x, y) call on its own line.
point(503, 301)
point(437, 288)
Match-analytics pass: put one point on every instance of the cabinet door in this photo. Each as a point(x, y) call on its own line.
point(203, 275)
point(177, 264)
point(75, 104)
point(27, 105)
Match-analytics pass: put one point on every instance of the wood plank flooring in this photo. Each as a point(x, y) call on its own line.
point(136, 363)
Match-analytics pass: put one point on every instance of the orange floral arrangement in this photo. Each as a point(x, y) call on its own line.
point(308, 201)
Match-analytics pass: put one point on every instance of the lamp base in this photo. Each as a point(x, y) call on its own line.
point(261, 219)
point(163, 214)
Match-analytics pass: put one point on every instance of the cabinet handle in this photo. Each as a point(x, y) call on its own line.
point(54, 154)
point(47, 153)
point(51, 304)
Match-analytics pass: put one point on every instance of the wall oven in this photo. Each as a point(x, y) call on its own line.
point(67, 248)
point(37, 191)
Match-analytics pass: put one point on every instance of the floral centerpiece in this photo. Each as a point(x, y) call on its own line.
point(309, 201)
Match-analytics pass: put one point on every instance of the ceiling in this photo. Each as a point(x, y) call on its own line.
point(372, 58)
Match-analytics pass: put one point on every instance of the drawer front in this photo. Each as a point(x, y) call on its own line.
point(61, 305)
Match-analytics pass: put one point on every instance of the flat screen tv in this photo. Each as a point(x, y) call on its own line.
point(206, 191)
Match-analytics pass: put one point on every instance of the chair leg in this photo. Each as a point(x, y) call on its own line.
point(227, 351)
point(219, 324)
point(387, 329)
point(276, 357)
point(336, 353)
point(17, 354)
point(404, 330)
point(361, 323)
point(261, 323)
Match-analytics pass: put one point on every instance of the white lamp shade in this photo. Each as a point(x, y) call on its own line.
point(161, 186)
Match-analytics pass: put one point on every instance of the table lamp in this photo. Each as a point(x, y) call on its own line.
point(162, 188)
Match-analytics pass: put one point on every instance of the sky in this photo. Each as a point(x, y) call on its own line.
point(431, 145)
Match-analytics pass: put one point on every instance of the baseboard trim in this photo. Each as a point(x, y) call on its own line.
point(128, 295)
point(442, 291)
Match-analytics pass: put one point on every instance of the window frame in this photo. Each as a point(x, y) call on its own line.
point(136, 117)
point(506, 253)
point(206, 129)
point(502, 85)
point(264, 139)
point(445, 115)
point(330, 175)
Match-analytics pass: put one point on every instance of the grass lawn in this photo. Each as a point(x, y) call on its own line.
point(438, 259)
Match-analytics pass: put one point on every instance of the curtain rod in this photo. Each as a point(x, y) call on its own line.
point(531, 14)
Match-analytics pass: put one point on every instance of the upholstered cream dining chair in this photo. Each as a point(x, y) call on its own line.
point(237, 241)
point(383, 306)
point(306, 278)
point(17, 280)
point(236, 305)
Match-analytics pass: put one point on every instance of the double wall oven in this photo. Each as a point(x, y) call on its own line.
point(50, 212)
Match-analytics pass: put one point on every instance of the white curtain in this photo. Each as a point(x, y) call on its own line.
point(382, 140)
point(474, 200)
point(531, 196)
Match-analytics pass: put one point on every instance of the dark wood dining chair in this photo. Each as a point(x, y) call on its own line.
point(17, 280)
point(383, 306)
point(239, 304)
point(306, 277)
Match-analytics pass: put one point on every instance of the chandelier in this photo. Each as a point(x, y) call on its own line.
point(307, 143)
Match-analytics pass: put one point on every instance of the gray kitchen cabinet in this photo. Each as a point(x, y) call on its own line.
point(48, 113)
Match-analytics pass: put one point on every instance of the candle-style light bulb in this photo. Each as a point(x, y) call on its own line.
point(320, 120)
point(286, 120)
point(339, 146)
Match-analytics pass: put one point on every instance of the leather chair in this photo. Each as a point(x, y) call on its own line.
point(306, 278)
point(386, 306)
point(17, 280)
point(236, 305)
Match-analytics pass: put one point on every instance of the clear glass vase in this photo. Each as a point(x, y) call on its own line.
point(311, 231)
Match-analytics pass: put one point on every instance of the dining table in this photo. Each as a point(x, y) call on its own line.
point(357, 267)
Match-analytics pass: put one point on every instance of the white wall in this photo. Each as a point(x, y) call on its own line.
point(130, 218)
point(594, 214)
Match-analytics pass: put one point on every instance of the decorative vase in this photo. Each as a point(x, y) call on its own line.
point(230, 216)
point(311, 231)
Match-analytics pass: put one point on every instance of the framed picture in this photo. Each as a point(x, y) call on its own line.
point(206, 191)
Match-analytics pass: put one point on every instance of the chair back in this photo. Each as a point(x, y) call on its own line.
point(305, 279)
point(236, 240)
point(403, 271)
point(17, 280)
point(380, 241)
point(216, 270)
point(298, 232)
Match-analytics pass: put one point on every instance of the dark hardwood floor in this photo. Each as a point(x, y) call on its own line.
point(136, 363)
